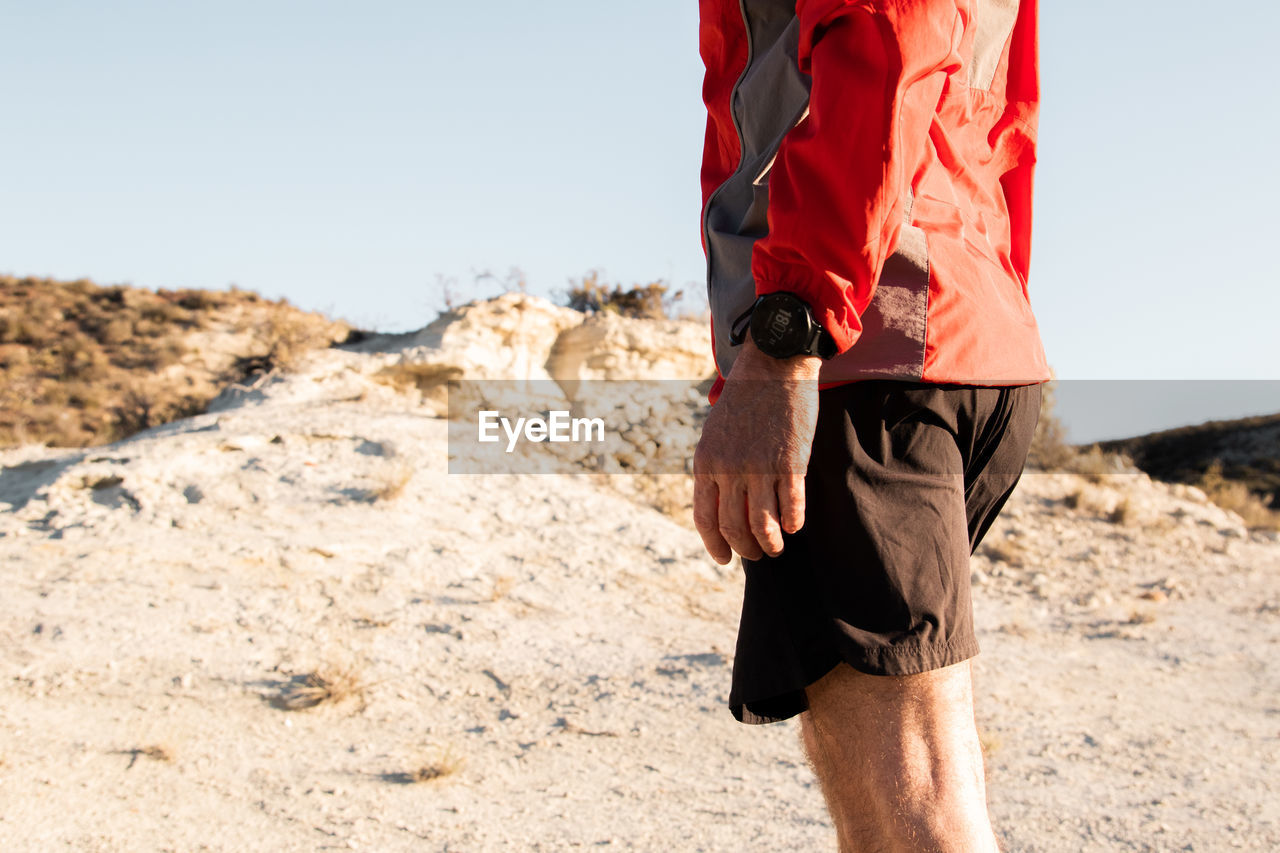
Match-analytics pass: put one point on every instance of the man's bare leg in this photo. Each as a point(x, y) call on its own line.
point(899, 761)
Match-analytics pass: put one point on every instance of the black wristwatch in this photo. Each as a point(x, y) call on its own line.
point(782, 325)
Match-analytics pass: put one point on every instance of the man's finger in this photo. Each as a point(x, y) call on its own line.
point(762, 506)
point(791, 501)
point(733, 520)
point(706, 517)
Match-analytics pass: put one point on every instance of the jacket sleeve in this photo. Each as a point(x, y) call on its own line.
point(838, 188)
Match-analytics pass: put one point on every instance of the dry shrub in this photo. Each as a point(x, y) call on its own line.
point(200, 301)
point(115, 332)
point(1049, 449)
point(431, 768)
point(1102, 502)
point(291, 334)
point(137, 408)
point(591, 296)
point(1093, 464)
point(1122, 513)
point(1008, 550)
point(392, 481)
point(426, 378)
point(82, 364)
point(329, 684)
point(154, 752)
point(1235, 496)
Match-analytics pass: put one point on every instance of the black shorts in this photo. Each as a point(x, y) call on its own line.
point(903, 482)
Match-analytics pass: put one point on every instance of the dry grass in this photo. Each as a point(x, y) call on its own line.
point(1093, 464)
point(391, 483)
point(1010, 551)
point(646, 302)
point(434, 767)
point(154, 752)
point(446, 764)
point(290, 335)
point(1235, 496)
point(82, 364)
point(427, 378)
point(431, 381)
point(502, 585)
point(157, 753)
point(1123, 513)
point(1105, 503)
point(1049, 449)
point(327, 685)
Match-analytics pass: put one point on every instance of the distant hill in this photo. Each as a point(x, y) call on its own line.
point(1244, 451)
point(83, 364)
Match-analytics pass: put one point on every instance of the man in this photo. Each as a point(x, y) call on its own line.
point(867, 185)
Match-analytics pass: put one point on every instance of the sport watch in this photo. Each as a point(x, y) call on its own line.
point(782, 325)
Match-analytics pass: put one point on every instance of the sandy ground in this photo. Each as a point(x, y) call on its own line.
point(539, 663)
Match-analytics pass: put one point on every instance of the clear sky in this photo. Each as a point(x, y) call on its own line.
point(354, 157)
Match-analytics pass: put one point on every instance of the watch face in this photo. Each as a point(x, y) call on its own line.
point(779, 325)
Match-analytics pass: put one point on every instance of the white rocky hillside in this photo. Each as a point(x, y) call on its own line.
point(282, 625)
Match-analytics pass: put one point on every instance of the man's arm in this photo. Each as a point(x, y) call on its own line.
point(836, 199)
point(839, 187)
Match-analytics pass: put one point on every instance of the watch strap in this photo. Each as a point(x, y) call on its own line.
point(738, 328)
point(820, 342)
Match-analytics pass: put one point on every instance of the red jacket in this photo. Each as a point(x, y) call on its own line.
point(876, 158)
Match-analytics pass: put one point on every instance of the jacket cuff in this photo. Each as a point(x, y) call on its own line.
point(824, 293)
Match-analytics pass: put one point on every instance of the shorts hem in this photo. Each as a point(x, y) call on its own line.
point(911, 659)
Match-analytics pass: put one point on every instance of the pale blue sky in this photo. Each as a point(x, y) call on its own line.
point(348, 155)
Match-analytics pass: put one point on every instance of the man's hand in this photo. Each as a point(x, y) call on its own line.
point(748, 470)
